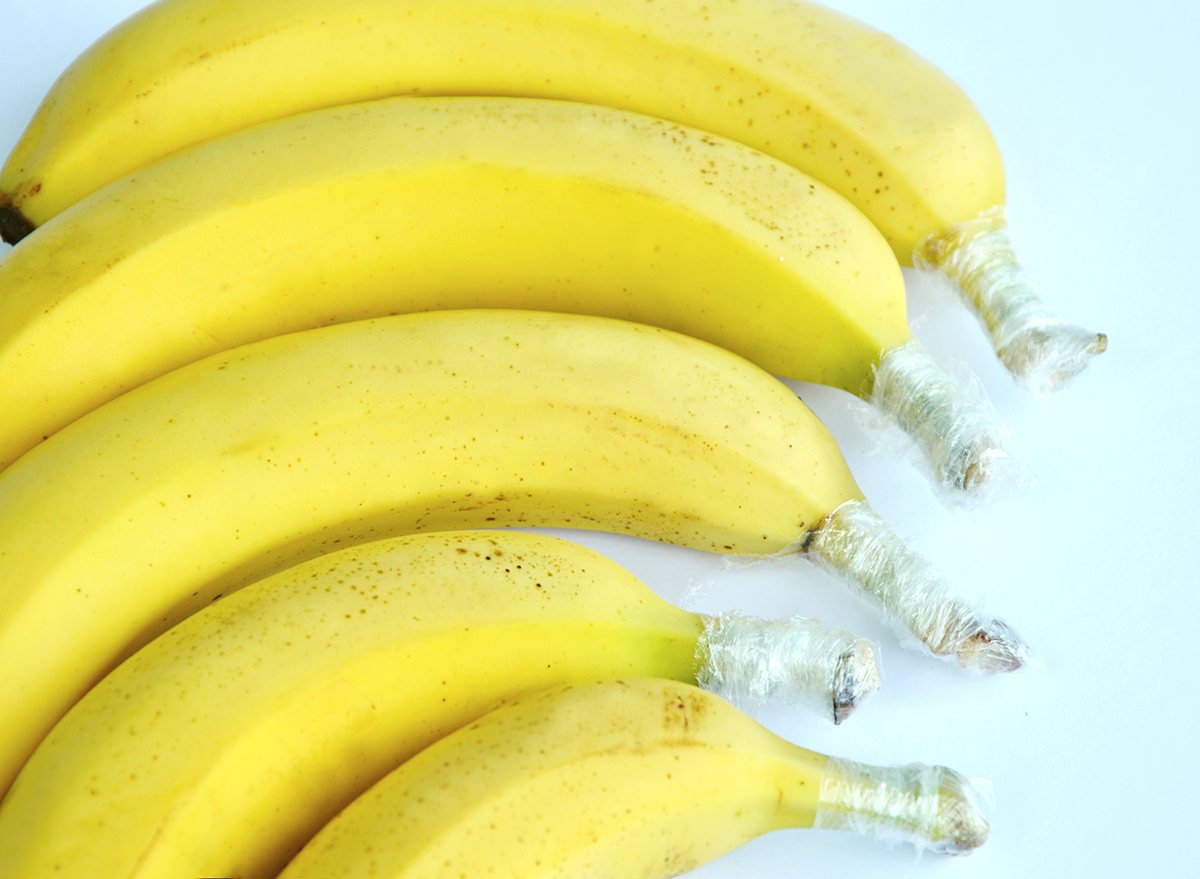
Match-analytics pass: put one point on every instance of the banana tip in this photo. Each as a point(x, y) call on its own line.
point(962, 827)
point(994, 648)
point(989, 473)
point(857, 677)
point(1046, 358)
point(985, 467)
point(13, 225)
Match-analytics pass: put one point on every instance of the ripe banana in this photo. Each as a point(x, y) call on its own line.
point(223, 745)
point(248, 462)
point(637, 777)
point(414, 204)
point(814, 88)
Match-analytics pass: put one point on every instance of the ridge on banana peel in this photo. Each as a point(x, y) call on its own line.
point(224, 744)
point(416, 204)
point(630, 777)
point(861, 111)
point(245, 463)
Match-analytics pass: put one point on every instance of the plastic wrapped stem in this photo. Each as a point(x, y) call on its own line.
point(932, 807)
point(749, 662)
point(1041, 350)
point(858, 546)
point(957, 433)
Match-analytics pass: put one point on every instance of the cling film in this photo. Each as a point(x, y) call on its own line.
point(1041, 350)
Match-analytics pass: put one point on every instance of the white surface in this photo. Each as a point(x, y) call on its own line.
point(1092, 755)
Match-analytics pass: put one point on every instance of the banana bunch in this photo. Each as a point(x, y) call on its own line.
point(816, 89)
point(245, 463)
point(225, 744)
point(454, 265)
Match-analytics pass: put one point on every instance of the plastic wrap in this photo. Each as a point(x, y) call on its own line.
point(858, 546)
point(750, 661)
point(1041, 350)
point(958, 434)
point(933, 807)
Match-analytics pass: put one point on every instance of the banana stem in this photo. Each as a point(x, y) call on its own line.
point(750, 661)
point(1041, 350)
point(961, 440)
point(933, 807)
point(856, 544)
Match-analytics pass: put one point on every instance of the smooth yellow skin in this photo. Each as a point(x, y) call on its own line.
point(227, 470)
point(632, 778)
point(224, 745)
point(817, 89)
point(417, 204)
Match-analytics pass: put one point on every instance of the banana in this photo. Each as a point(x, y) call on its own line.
point(223, 745)
point(794, 79)
point(413, 204)
point(817, 89)
point(248, 462)
point(646, 778)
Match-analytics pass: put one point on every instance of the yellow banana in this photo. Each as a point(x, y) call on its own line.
point(248, 462)
point(416, 204)
point(646, 778)
point(797, 80)
point(812, 87)
point(223, 745)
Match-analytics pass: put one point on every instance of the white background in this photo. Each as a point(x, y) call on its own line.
point(1092, 754)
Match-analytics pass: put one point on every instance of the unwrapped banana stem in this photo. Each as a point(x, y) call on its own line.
point(933, 807)
point(858, 546)
point(750, 662)
point(1041, 350)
